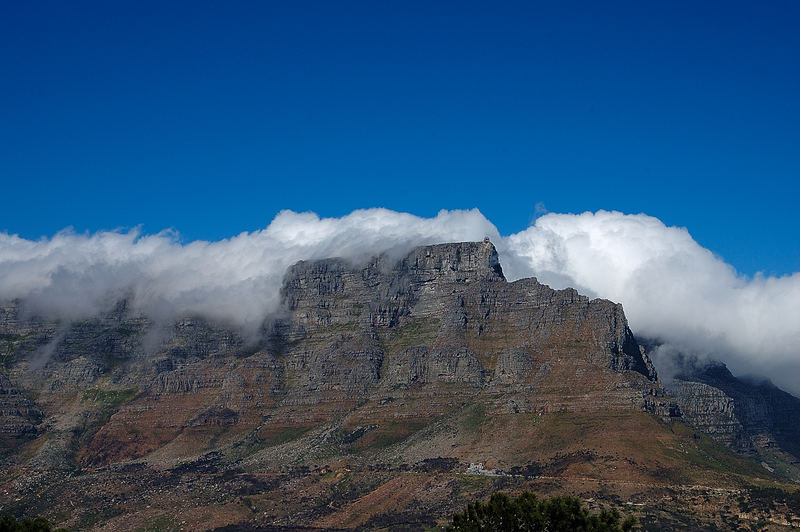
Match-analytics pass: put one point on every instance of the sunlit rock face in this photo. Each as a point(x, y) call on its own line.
point(445, 315)
point(441, 322)
point(429, 363)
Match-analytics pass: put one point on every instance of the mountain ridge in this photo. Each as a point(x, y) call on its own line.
point(377, 372)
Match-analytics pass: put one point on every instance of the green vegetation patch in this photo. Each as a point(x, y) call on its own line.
point(279, 435)
point(39, 524)
point(386, 435)
point(471, 483)
point(108, 399)
point(528, 512)
point(269, 436)
point(709, 454)
point(415, 332)
point(340, 328)
point(94, 518)
point(161, 523)
point(473, 417)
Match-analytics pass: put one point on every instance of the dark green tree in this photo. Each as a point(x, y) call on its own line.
point(529, 513)
point(11, 524)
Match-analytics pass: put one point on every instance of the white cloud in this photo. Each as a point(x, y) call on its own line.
point(671, 287)
point(236, 280)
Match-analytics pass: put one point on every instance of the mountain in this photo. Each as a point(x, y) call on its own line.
point(388, 393)
point(752, 417)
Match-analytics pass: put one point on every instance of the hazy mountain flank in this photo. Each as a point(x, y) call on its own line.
point(382, 394)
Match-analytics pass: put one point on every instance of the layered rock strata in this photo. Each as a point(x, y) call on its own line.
point(745, 415)
point(442, 323)
point(422, 365)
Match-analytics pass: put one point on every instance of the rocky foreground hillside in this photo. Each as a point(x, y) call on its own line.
point(381, 394)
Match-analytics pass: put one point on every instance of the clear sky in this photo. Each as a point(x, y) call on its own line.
point(211, 117)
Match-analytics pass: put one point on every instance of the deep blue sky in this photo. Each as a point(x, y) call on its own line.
point(210, 117)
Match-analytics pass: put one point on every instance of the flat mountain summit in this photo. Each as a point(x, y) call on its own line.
point(381, 394)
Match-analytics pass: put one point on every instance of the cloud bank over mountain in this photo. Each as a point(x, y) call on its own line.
point(237, 280)
point(672, 288)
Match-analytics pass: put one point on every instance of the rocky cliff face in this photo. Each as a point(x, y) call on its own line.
point(422, 334)
point(750, 417)
point(384, 366)
point(445, 315)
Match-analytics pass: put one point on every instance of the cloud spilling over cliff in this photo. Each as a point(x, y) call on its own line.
point(672, 288)
point(236, 280)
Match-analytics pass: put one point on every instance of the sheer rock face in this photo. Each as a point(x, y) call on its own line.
point(399, 339)
point(745, 415)
point(709, 409)
point(445, 315)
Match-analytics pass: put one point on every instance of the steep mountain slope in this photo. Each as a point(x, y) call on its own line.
point(382, 393)
point(753, 418)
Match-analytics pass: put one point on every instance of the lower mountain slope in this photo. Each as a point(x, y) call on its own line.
point(381, 394)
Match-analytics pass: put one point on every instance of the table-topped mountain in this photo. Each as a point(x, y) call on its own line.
point(445, 317)
point(384, 392)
